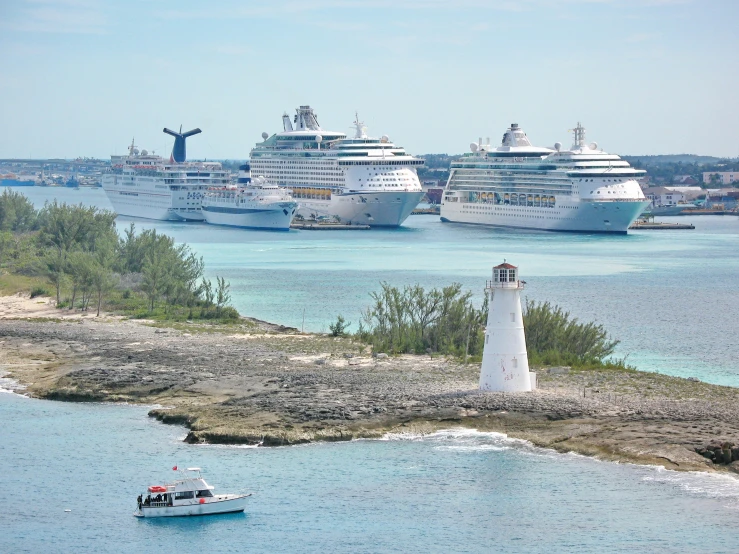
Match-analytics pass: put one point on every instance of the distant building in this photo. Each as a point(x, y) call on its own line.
point(720, 177)
point(726, 198)
point(671, 196)
point(685, 180)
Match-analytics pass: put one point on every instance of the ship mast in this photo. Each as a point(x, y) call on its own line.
point(579, 139)
point(360, 131)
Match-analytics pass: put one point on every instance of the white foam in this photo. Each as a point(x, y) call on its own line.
point(720, 486)
point(10, 386)
point(710, 485)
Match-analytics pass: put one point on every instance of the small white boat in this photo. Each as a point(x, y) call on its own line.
point(188, 496)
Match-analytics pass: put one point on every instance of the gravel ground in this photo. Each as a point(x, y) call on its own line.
point(261, 383)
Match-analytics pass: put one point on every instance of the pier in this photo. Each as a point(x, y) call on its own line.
point(320, 226)
point(649, 223)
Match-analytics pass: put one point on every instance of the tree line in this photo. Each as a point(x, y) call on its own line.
point(445, 321)
point(80, 253)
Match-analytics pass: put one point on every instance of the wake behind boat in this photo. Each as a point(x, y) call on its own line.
point(188, 496)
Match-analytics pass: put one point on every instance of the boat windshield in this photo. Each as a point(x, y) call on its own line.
point(203, 494)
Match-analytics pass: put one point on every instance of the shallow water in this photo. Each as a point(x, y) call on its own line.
point(669, 296)
point(454, 491)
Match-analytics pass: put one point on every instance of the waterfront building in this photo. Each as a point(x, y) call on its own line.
point(720, 177)
point(672, 196)
point(505, 362)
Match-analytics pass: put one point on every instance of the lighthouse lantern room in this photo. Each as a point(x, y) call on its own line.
point(505, 363)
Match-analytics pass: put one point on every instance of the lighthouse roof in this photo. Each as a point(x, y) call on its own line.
point(505, 265)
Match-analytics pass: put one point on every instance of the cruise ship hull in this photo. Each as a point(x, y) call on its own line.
point(276, 218)
point(150, 206)
point(583, 216)
point(376, 209)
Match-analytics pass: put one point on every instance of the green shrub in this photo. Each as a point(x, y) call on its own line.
point(39, 291)
point(338, 329)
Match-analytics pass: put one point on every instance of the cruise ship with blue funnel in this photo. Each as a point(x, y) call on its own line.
point(583, 189)
point(145, 185)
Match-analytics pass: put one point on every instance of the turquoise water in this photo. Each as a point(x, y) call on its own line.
point(456, 491)
point(669, 296)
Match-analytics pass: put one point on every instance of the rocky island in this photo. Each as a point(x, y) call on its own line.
point(258, 383)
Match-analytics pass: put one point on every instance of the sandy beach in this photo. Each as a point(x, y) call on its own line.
point(260, 383)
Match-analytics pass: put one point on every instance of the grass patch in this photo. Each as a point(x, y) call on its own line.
point(11, 283)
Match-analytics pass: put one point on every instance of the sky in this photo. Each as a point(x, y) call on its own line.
point(83, 77)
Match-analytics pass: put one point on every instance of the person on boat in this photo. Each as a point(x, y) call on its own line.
point(139, 500)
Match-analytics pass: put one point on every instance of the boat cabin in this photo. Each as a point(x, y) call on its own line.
point(182, 492)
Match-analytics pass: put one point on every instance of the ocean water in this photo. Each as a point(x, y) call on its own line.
point(670, 297)
point(453, 491)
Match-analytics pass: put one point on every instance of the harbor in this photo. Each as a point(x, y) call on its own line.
point(198, 350)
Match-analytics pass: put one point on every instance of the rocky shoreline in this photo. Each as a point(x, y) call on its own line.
point(256, 383)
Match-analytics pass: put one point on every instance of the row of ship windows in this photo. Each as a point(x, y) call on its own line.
point(336, 173)
point(526, 215)
point(298, 162)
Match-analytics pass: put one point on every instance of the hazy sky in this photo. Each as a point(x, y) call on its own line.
point(82, 77)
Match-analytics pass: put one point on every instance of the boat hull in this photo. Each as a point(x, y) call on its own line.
point(150, 206)
point(16, 183)
point(276, 218)
point(582, 217)
point(213, 507)
point(376, 209)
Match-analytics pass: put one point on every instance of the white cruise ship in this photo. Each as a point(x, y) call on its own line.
point(358, 180)
point(256, 204)
point(144, 185)
point(519, 185)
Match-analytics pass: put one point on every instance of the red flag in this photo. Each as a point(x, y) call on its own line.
point(175, 468)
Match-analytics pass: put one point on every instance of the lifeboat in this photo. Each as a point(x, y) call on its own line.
point(514, 199)
point(506, 198)
point(157, 488)
point(537, 200)
point(551, 201)
point(529, 199)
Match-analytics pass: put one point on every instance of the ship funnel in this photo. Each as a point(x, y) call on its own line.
point(179, 153)
point(244, 177)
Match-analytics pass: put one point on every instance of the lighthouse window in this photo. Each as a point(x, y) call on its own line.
point(513, 317)
point(514, 363)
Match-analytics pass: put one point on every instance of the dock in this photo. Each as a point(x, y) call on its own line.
point(644, 224)
point(316, 226)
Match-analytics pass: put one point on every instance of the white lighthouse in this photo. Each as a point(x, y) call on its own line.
point(505, 363)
